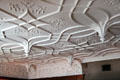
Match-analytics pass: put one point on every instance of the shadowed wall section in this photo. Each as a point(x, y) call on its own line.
point(102, 70)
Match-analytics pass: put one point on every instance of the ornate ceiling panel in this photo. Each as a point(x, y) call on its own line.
point(81, 28)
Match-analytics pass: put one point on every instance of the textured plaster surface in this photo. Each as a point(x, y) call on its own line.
point(40, 68)
point(84, 30)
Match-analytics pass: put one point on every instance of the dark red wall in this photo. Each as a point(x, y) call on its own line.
point(80, 77)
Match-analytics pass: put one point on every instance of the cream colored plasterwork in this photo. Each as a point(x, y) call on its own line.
point(58, 27)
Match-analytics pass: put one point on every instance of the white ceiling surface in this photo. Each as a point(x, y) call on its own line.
point(81, 28)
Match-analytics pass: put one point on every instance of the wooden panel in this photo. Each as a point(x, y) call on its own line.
point(79, 77)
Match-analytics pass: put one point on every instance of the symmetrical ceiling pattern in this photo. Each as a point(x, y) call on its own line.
point(81, 28)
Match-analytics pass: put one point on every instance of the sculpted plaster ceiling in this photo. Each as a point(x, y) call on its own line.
point(81, 28)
